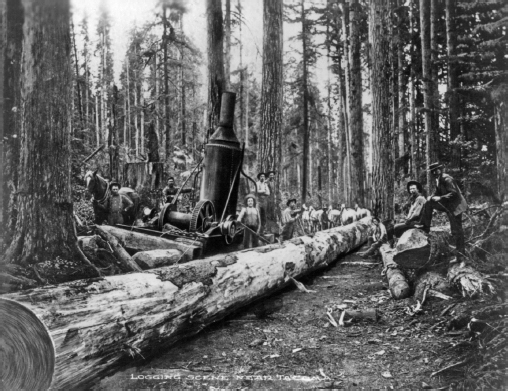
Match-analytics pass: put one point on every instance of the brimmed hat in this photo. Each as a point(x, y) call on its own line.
point(261, 173)
point(434, 166)
point(171, 178)
point(114, 183)
point(290, 201)
point(270, 172)
point(418, 186)
point(249, 196)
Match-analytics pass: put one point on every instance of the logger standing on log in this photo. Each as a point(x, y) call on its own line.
point(170, 191)
point(116, 205)
point(377, 237)
point(447, 198)
point(417, 201)
point(249, 216)
point(263, 195)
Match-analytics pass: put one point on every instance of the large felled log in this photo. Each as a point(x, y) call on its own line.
point(135, 241)
point(120, 253)
point(416, 249)
point(99, 324)
point(156, 258)
point(397, 282)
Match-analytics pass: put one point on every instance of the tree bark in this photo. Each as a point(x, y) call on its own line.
point(271, 89)
point(427, 87)
point(13, 21)
point(97, 324)
point(45, 226)
point(402, 84)
point(355, 107)
point(382, 178)
point(157, 258)
point(451, 45)
point(216, 78)
point(306, 132)
point(416, 250)
point(227, 49)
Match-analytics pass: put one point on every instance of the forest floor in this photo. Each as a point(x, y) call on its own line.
point(297, 346)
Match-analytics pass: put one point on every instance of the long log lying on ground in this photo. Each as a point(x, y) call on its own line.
point(99, 324)
point(135, 241)
point(397, 282)
point(120, 253)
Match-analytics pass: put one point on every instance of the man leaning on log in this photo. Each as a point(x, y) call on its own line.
point(447, 198)
point(417, 201)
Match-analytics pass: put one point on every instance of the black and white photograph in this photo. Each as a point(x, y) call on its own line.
point(253, 194)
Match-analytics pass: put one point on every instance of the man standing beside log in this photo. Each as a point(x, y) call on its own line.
point(417, 201)
point(377, 238)
point(449, 199)
point(249, 217)
point(170, 191)
point(263, 193)
point(116, 205)
point(289, 217)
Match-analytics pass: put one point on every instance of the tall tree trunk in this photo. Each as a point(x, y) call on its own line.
point(434, 69)
point(136, 112)
point(45, 227)
point(242, 82)
point(113, 137)
point(355, 107)
point(97, 123)
point(183, 108)
point(127, 141)
point(76, 67)
point(427, 87)
point(402, 84)
point(415, 163)
point(13, 27)
point(227, 49)
point(246, 108)
point(453, 100)
point(165, 42)
point(142, 125)
point(382, 186)
point(306, 132)
point(271, 90)
point(215, 60)
point(347, 113)
point(500, 97)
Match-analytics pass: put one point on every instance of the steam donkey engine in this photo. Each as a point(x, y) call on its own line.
point(213, 215)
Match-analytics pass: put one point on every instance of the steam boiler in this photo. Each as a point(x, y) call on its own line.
point(214, 214)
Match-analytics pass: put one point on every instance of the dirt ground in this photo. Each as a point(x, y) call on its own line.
point(297, 347)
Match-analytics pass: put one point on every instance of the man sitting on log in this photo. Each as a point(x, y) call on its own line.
point(250, 218)
point(116, 205)
point(447, 198)
point(417, 201)
point(170, 191)
point(377, 237)
point(289, 218)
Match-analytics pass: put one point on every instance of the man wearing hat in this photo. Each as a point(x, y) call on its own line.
point(417, 201)
point(170, 191)
point(116, 205)
point(270, 212)
point(263, 192)
point(447, 198)
point(249, 216)
point(289, 217)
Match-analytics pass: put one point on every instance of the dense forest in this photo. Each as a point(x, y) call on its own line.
point(407, 84)
point(347, 102)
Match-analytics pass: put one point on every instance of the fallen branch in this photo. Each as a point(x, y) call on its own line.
point(469, 281)
point(448, 367)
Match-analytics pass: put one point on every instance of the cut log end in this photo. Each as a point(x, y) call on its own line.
point(27, 353)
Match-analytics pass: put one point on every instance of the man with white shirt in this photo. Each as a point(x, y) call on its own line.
point(263, 193)
point(417, 201)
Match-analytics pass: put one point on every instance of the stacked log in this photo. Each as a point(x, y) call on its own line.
point(98, 324)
